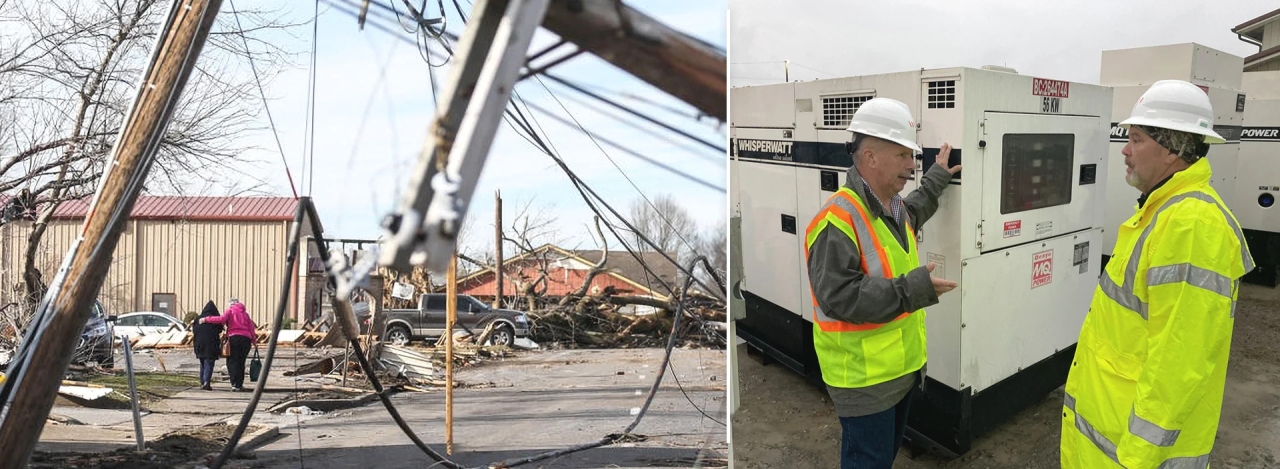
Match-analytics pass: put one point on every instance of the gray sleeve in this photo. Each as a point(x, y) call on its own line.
point(846, 293)
point(922, 203)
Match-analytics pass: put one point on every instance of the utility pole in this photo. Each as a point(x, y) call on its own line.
point(46, 351)
point(786, 70)
point(451, 316)
point(497, 246)
point(670, 60)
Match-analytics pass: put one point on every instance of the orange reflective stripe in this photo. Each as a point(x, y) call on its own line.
point(841, 326)
point(832, 209)
point(875, 240)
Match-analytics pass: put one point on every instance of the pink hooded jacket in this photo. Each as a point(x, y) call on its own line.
point(237, 320)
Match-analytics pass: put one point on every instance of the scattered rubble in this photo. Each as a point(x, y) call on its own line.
point(600, 325)
point(187, 448)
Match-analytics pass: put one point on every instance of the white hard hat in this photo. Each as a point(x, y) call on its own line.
point(887, 119)
point(1175, 105)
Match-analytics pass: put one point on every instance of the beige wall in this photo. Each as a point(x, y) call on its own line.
point(1268, 66)
point(1271, 34)
point(195, 260)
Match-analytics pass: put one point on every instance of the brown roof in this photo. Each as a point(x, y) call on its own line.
point(196, 208)
point(1253, 22)
point(621, 263)
point(627, 266)
point(1261, 55)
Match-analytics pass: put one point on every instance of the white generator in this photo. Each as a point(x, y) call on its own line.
point(1130, 72)
point(1259, 175)
point(1020, 229)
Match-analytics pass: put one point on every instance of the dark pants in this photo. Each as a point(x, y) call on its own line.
point(240, 346)
point(872, 441)
point(206, 370)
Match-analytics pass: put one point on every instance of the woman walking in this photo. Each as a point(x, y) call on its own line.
point(207, 344)
point(241, 332)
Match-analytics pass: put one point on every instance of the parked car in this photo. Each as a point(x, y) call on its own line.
point(96, 345)
point(146, 322)
point(428, 320)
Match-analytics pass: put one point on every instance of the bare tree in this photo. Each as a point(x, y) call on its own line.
point(666, 223)
point(532, 228)
point(68, 72)
point(713, 243)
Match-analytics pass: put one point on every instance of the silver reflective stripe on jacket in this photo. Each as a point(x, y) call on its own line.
point(1196, 276)
point(1148, 431)
point(1103, 444)
point(870, 256)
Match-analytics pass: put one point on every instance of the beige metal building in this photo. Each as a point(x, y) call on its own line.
point(1263, 31)
point(176, 253)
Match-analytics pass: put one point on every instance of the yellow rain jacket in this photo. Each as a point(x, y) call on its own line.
point(1145, 388)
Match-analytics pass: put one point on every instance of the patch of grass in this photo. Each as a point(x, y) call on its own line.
point(145, 380)
point(151, 386)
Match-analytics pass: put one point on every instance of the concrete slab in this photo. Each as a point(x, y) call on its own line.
point(100, 417)
point(533, 403)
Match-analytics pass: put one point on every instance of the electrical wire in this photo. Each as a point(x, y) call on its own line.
point(310, 131)
point(346, 9)
point(624, 173)
point(594, 136)
point(562, 82)
point(261, 92)
point(653, 390)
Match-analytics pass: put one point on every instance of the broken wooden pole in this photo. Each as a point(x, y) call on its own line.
point(670, 60)
point(29, 394)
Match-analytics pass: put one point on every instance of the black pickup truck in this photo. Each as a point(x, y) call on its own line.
point(404, 325)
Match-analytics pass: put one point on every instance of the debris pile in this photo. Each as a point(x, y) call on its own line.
point(412, 367)
point(600, 325)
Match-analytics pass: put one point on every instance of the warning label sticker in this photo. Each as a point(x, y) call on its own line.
point(1044, 228)
point(1012, 228)
point(1081, 256)
point(1042, 268)
point(940, 264)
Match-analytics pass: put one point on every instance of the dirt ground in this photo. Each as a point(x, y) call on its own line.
point(785, 421)
point(186, 448)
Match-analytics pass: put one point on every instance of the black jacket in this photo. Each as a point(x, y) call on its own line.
point(206, 340)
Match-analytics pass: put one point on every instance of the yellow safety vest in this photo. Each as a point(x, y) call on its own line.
point(1145, 388)
point(860, 355)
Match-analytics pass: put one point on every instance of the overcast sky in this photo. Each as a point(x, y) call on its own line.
point(374, 107)
point(1057, 39)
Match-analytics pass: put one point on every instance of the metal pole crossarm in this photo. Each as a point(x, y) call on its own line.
point(30, 396)
point(493, 48)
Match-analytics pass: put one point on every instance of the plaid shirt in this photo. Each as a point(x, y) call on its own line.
point(895, 204)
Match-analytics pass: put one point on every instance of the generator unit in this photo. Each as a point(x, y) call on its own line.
point(1130, 72)
point(1020, 228)
point(1259, 176)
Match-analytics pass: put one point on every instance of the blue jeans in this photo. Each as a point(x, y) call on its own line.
point(872, 441)
point(206, 370)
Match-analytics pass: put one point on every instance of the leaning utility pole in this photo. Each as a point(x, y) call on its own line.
point(46, 350)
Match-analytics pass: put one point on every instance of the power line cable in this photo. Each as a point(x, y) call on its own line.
point(261, 92)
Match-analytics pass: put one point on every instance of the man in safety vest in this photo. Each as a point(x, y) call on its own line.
point(868, 286)
point(1145, 388)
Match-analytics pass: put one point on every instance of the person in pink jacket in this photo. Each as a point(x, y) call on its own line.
point(241, 332)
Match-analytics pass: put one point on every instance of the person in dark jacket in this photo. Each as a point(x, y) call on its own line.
point(207, 344)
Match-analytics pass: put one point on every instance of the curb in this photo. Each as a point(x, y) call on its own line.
point(258, 438)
